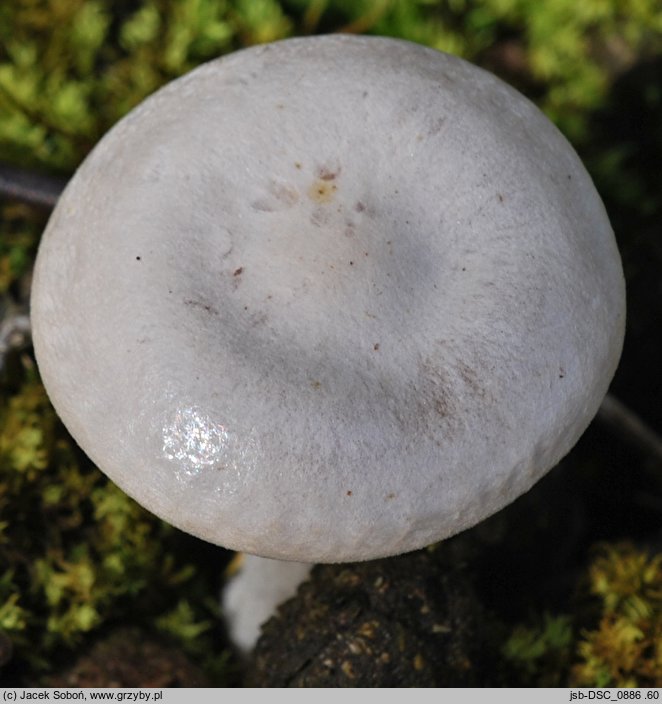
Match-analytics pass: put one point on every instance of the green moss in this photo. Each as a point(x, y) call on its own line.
point(540, 653)
point(611, 635)
point(624, 646)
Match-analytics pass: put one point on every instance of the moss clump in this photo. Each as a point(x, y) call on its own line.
point(539, 654)
point(611, 635)
point(624, 646)
point(75, 552)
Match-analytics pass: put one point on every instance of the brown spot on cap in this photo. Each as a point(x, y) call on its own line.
point(326, 174)
point(322, 191)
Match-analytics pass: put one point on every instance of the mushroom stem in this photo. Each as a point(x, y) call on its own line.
point(255, 589)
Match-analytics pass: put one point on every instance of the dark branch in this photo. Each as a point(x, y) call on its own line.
point(30, 187)
point(631, 427)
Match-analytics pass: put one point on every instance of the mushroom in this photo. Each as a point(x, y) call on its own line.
point(254, 589)
point(329, 299)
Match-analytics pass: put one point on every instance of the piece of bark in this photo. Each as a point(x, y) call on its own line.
point(411, 621)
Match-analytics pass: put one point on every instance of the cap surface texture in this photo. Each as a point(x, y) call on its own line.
point(329, 299)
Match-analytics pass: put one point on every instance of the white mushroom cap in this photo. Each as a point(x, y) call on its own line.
point(329, 299)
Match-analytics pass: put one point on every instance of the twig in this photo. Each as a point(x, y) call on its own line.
point(30, 187)
point(631, 427)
